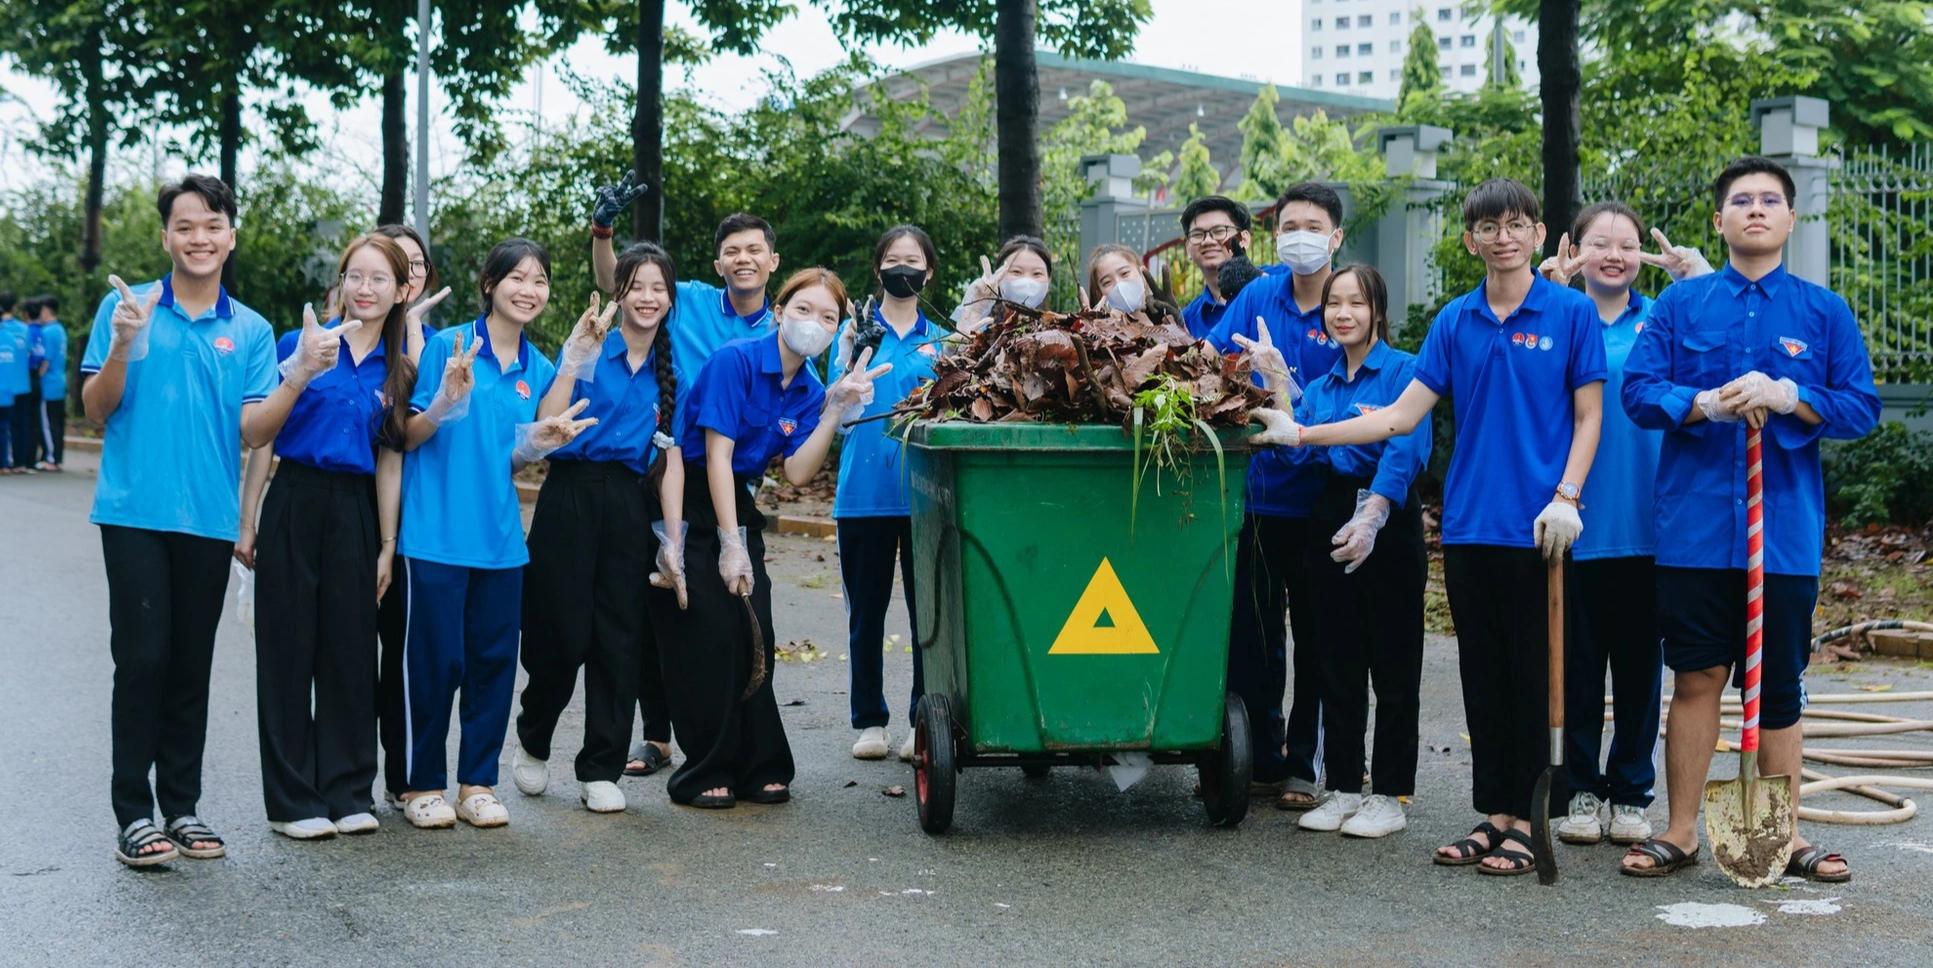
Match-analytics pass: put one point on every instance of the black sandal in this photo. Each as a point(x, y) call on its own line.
point(648, 754)
point(708, 801)
point(1666, 858)
point(1469, 849)
point(1521, 862)
point(1805, 863)
point(768, 797)
point(141, 834)
point(188, 830)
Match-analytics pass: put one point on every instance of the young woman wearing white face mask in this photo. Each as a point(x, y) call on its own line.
point(755, 399)
point(1116, 280)
point(1021, 273)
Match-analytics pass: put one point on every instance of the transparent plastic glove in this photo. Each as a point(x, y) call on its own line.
point(578, 360)
point(245, 598)
point(536, 441)
point(1714, 411)
point(1680, 262)
point(980, 293)
point(670, 571)
point(130, 321)
point(1268, 363)
point(1756, 391)
point(1357, 538)
point(317, 350)
point(452, 400)
point(856, 387)
point(1278, 428)
point(1557, 529)
point(734, 562)
point(846, 338)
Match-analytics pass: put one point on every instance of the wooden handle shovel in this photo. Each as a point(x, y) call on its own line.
point(1540, 848)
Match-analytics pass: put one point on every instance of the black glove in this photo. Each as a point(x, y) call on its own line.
point(612, 199)
point(867, 332)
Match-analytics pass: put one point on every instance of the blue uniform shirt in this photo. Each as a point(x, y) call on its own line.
point(626, 406)
point(1706, 332)
point(1618, 511)
point(872, 482)
point(1203, 315)
point(1391, 465)
point(53, 342)
point(1282, 481)
point(15, 347)
point(462, 503)
point(703, 320)
point(1511, 384)
point(36, 346)
point(739, 395)
point(335, 420)
point(172, 456)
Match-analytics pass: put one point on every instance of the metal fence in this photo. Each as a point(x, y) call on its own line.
point(1882, 255)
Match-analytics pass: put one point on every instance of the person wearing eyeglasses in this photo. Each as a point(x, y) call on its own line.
point(1213, 229)
point(1522, 359)
point(1749, 346)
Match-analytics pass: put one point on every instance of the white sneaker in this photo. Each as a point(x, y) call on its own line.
point(601, 796)
point(906, 748)
point(314, 828)
point(1329, 815)
point(1379, 816)
point(872, 744)
point(429, 812)
point(1628, 824)
point(483, 810)
point(357, 823)
point(531, 774)
point(1583, 825)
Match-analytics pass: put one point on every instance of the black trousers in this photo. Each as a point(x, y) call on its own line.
point(164, 601)
point(868, 548)
point(706, 650)
point(54, 430)
point(591, 548)
point(1497, 597)
point(27, 409)
point(1616, 627)
point(1369, 627)
point(1272, 600)
point(315, 643)
point(392, 710)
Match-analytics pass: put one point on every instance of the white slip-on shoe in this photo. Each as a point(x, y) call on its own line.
point(1379, 816)
point(429, 811)
point(357, 823)
point(906, 748)
point(1583, 825)
point(1329, 815)
point(601, 796)
point(530, 774)
point(314, 828)
point(872, 744)
point(483, 810)
point(1629, 824)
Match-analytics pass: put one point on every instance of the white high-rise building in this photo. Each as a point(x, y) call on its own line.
point(1358, 46)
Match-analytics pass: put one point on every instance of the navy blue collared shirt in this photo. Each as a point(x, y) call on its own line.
point(1706, 332)
point(1282, 481)
point(740, 394)
point(1391, 465)
point(334, 422)
point(1511, 382)
point(626, 404)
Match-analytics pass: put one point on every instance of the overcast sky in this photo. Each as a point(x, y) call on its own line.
point(1184, 34)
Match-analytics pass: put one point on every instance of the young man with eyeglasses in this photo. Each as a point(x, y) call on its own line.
point(1212, 228)
point(1749, 346)
point(1523, 361)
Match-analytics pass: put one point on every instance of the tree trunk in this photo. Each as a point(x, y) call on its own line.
point(647, 124)
point(231, 149)
point(96, 151)
point(1016, 93)
point(1562, 82)
point(389, 208)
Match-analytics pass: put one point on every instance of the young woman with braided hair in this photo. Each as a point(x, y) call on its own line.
point(591, 542)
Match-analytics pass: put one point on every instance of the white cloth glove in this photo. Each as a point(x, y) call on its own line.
point(734, 562)
point(1357, 538)
point(1756, 391)
point(1713, 410)
point(670, 571)
point(1557, 529)
point(1278, 428)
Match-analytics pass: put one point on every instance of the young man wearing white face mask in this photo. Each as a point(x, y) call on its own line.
point(1278, 319)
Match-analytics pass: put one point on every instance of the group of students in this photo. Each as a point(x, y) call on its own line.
point(33, 384)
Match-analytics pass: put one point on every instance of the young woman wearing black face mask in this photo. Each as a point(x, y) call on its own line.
point(875, 520)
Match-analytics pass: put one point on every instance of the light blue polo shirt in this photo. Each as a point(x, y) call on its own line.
point(15, 348)
point(1618, 504)
point(739, 394)
point(335, 420)
point(462, 503)
point(627, 407)
point(172, 456)
point(1511, 383)
point(703, 320)
point(53, 347)
point(872, 482)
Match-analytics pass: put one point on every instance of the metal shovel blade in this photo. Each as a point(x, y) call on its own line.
point(1748, 822)
point(1541, 849)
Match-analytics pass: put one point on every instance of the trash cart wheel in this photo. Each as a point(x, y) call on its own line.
point(1036, 770)
point(933, 770)
point(1226, 770)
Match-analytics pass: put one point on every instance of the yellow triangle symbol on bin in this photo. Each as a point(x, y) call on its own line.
point(1104, 621)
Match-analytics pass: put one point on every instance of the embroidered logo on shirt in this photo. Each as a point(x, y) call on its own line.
point(1792, 346)
point(1638, 328)
point(1367, 408)
point(787, 425)
point(1516, 339)
point(1544, 343)
point(523, 390)
point(224, 344)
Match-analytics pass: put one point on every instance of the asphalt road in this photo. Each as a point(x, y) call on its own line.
point(1062, 871)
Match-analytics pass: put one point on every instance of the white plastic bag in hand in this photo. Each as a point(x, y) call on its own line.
point(1356, 539)
point(671, 558)
point(734, 562)
point(245, 598)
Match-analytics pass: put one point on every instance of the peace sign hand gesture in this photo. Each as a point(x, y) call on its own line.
point(1562, 266)
point(856, 387)
point(535, 441)
point(1680, 261)
point(1267, 360)
point(317, 350)
point(130, 322)
point(423, 306)
point(578, 361)
point(609, 200)
point(452, 400)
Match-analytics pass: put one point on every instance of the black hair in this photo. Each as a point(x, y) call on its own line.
point(49, 301)
point(634, 257)
point(8, 300)
point(1314, 193)
point(503, 259)
point(214, 192)
point(431, 278)
point(29, 308)
point(1027, 243)
point(1750, 165)
point(740, 222)
point(1374, 290)
point(1498, 198)
point(1597, 210)
point(919, 237)
point(1237, 212)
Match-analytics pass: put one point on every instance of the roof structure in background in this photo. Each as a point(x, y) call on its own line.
point(1163, 100)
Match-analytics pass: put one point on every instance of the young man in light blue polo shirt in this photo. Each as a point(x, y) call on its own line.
point(52, 340)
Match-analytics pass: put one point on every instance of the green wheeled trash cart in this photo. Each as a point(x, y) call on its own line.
point(1057, 631)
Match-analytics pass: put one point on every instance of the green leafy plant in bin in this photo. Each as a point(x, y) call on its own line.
point(1164, 414)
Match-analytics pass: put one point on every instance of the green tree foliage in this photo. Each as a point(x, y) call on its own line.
point(1196, 175)
point(1422, 76)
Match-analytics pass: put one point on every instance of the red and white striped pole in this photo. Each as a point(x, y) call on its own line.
point(1754, 595)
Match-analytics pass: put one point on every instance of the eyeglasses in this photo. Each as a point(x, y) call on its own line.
point(354, 280)
point(1219, 233)
point(1487, 232)
point(418, 267)
point(1773, 201)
